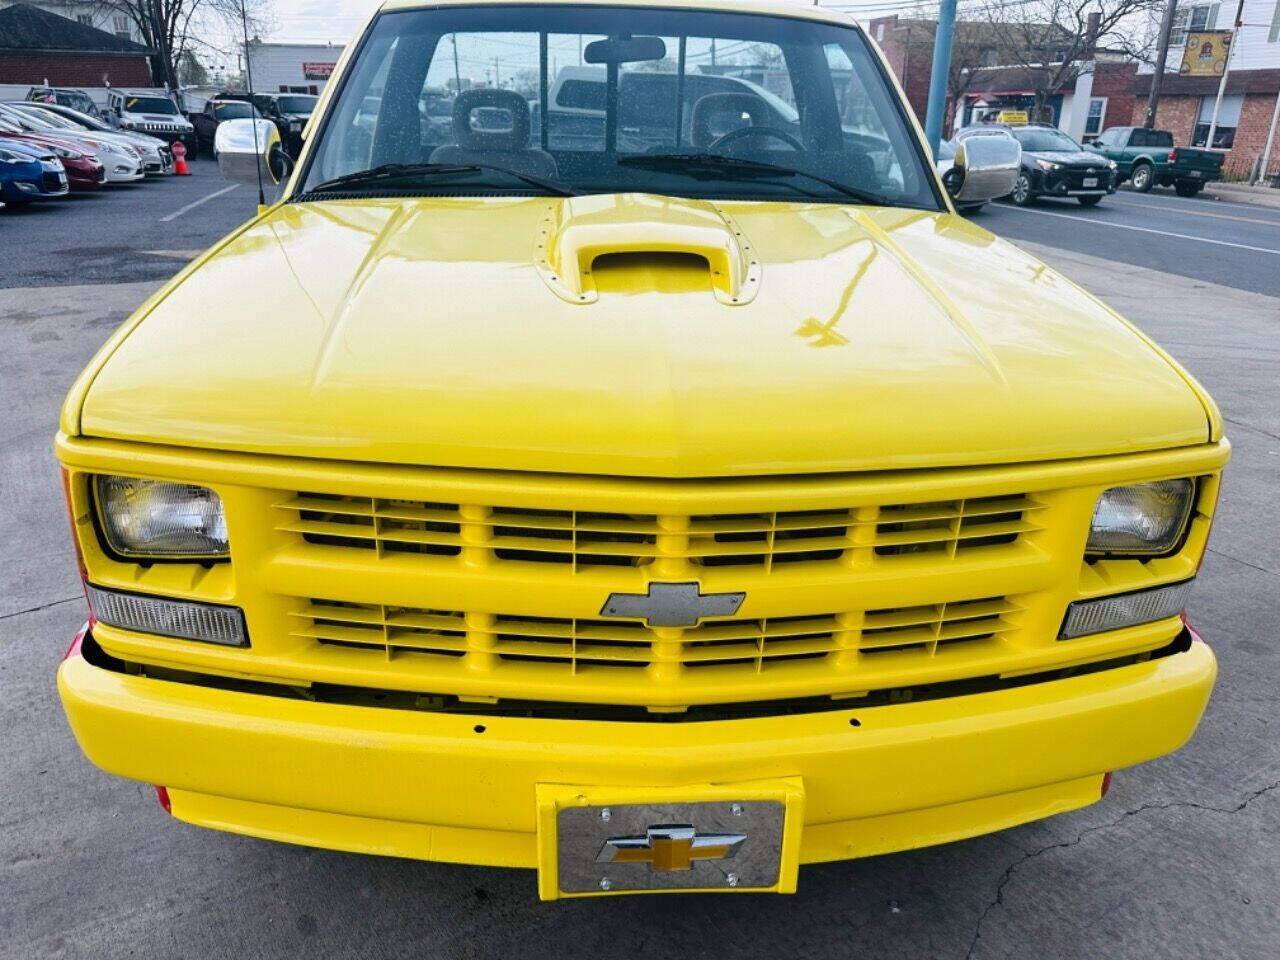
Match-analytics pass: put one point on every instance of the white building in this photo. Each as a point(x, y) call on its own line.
point(89, 13)
point(292, 67)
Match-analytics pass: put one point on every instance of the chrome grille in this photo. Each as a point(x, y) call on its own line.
point(586, 538)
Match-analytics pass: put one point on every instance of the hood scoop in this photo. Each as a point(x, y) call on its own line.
point(578, 232)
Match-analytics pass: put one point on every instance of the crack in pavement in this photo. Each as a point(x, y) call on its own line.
point(1246, 563)
point(43, 606)
point(998, 900)
point(1250, 426)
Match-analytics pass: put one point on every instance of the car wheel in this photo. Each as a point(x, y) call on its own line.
point(1022, 193)
point(1089, 201)
point(1187, 188)
point(1142, 178)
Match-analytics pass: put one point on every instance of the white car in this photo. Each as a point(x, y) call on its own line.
point(123, 164)
point(155, 153)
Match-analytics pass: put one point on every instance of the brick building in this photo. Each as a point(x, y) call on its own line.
point(1253, 84)
point(37, 46)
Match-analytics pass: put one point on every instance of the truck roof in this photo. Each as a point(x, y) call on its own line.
point(777, 8)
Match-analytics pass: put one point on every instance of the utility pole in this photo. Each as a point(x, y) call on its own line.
point(1226, 69)
point(941, 72)
point(497, 73)
point(1166, 30)
point(1271, 135)
point(457, 74)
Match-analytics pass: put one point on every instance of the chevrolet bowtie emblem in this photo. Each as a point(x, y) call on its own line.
point(671, 847)
point(672, 605)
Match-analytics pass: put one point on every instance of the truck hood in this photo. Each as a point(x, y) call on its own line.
point(635, 335)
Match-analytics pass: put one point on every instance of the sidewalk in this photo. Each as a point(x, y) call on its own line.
point(1261, 196)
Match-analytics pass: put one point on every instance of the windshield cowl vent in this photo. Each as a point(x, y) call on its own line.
point(578, 231)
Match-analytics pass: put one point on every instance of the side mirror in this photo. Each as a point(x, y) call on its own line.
point(984, 168)
point(245, 147)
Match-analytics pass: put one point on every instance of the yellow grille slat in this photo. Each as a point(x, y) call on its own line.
point(590, 538)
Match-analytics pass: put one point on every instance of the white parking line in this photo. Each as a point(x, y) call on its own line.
point(195, 203)
point(1126, 226)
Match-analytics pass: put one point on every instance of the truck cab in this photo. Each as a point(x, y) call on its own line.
point(657, 509)
point(1148, 158)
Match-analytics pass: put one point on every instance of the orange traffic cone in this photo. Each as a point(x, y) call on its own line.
point(180, 159)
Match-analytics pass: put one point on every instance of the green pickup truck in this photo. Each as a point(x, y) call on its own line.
point(1148, 157)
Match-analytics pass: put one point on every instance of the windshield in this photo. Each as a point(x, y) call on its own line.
point(51, 119)
point(303, 105)
point(235, 110)
point(591, 97)
point(1042, 139)
point(149, 105)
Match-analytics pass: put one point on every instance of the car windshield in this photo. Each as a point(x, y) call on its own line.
point(301, 105)
point(234, 110)
point(610, 99)
point(51, 119)
point(149, 105)
point(1044, 140)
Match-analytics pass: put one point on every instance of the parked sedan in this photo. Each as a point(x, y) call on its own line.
point(83, 172)
point(28, 174)
point(155, 154)
point(122, 163)
point(1054, 165)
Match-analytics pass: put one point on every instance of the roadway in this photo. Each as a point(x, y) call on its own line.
point(1234, 244)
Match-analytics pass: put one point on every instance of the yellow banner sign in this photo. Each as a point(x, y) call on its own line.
point(1206, 53)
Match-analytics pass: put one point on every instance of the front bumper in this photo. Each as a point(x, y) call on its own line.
point(461, 788)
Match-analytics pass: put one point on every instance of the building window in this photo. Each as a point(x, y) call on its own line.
point(1192, 19)
point(120, 26)
point(85, 18)
point(1274, 35)
point(1224, 135)
point(1093, 121)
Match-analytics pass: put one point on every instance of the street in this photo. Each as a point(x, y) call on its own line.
point(1178, 861)
point(1218, 242)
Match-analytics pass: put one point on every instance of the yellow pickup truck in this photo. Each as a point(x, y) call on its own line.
point(662, 491)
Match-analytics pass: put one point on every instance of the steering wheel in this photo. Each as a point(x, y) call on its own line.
point(733, 136)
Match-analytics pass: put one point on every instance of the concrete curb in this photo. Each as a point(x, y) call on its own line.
point(1242, 193)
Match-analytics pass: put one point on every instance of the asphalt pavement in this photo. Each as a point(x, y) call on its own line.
point(1179, 861)
point(1233, 244)
point(123, 232)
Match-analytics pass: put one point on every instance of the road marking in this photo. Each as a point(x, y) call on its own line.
point(195, 203)
point(1170, 200)
point(1160, 233)
point(1195, 213)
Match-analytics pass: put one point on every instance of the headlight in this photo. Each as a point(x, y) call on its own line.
point(1146, 519)
point(154, 519)
point(1048, 165)
point(68, 154)
point(1113, 165)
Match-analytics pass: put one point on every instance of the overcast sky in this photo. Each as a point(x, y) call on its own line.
point(337, 20)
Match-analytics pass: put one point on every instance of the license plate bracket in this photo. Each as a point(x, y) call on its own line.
point(1090, 182)
point(724, 837)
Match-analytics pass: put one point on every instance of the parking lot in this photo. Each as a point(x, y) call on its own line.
point(1179, 860)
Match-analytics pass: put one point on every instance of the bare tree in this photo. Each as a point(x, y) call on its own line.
point(1054, 40)
point(174, 28)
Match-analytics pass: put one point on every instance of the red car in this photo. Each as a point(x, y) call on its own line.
point(83, 172)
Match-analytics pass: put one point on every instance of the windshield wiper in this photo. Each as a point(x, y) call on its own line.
point(702, 165)
point(390, 172)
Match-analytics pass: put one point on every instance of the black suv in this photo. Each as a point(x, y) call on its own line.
point(1054, 165)
point(289, 112)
